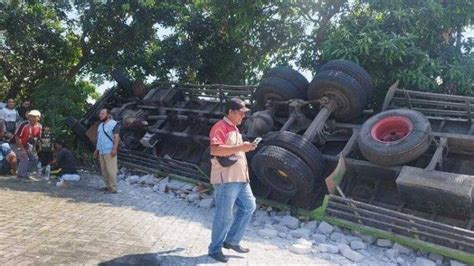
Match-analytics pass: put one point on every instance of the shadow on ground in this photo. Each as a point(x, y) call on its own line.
point(160, 258)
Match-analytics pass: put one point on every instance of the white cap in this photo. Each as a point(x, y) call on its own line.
point(35, 113)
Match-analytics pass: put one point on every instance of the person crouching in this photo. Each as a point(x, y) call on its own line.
point(64, 159)
point(7, 156)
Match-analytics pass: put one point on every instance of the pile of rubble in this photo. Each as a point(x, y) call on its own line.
point(192, 193)
point(299, 236)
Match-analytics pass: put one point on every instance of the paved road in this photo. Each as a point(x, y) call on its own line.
point(42, 224)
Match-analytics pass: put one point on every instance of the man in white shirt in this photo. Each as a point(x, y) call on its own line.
point(10, 115)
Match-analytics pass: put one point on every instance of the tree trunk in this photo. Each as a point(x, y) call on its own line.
point(75, 69)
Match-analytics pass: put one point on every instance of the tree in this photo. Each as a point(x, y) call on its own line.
point(417, 42)
point(51, 40)
point(227, 41)
point(58, 99)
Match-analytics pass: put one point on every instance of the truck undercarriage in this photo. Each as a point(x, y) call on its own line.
point(407, 170)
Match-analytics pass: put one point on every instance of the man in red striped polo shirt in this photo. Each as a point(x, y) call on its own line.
point(230, 178)
point(27, 136)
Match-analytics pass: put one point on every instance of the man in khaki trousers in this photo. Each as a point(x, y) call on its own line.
point(106, 150)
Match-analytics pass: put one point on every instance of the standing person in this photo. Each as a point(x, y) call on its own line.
point(11, 117)
point(230, 178)
point(106, 150)
point(45, 152)
point(64, 159)
point(24, 109)
point(27, 136)
point(7, 156)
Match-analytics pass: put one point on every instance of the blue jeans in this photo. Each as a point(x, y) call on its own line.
point(28, 160)
point(226, 227)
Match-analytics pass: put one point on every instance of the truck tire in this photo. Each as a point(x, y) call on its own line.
point(282, 171)
point(394, 137)
point(275, 88)
point(350, 96)
point(354, 70)
point(289, 74)
point(302, 148)
point(313, 200)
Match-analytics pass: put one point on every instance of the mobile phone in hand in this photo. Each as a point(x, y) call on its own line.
point(257, 141)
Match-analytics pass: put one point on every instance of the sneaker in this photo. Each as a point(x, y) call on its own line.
point(60, 184)
point(32, 178)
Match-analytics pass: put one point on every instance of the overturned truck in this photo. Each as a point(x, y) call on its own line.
point(405, 173)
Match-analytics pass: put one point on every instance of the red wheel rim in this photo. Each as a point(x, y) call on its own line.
point(392, 129)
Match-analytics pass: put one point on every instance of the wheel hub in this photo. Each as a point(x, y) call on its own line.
point(392, 129)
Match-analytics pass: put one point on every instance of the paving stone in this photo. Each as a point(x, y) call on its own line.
point(176, 185)
point(149, 180)
point(423, 262)
point(300, 249)
point(456, 263)
point(402, 249)
point(319, 238)
point(192, 197)
point(133, 179)
point(187, 188)
point(280, 228)
point(351, 238)
point(328, 248)
point(357, 244)
point(384, 242)
point(368, 239)
point(206, 203)
point(351, 254)
point(435, 257)
point(303, 241)
point(325, 228)
point(341, 246)
point(162, 186)
point(43, 225)
point(267, 233)
point(311, 225)
point(337, 236)
point(301, 233)
point(268, 225)
point(392, 253)
point(401, 261)
point(364, 252)
point(289, 221)
point(156, 188)
point(282, 235)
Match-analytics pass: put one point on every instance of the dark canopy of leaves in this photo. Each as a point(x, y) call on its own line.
point(223, 41)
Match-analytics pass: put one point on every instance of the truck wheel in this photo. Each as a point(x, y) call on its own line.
point(291, 75)
point(354, 70)
point(350, 96)
point(312, 201)
point(277, 89)
point(282, 171)
point(302, 148)
point(394, 137)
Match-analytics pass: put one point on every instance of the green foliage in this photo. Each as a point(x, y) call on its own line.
point(36, 48)
point(51, 40)
point(223, 41)
point(59, 99)
point(227, 41)
point(416, 42)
